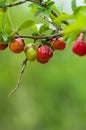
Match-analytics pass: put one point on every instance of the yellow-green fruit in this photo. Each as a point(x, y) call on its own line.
point(30, 52)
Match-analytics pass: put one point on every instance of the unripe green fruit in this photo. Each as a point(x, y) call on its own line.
point(30, 52)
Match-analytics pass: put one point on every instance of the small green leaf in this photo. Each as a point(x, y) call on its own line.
point(50, 4)
point(45, 12)
point(34, 5)
point(35, 34)
point(73, 4)
point(72, 37)
point(44, 28)
point(39, 12)
point(3, 4)
point(26, 24)
point(62, 17)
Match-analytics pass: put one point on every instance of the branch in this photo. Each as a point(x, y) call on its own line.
point(22, 2)
point(15, 4)
point(57, 35)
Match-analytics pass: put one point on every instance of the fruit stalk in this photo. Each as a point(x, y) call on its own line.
point(20, 77)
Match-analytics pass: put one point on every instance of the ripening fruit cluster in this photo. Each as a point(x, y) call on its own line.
point(45, 52)
point(42, 53)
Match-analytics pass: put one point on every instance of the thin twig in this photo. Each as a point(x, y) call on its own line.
point(20, 77)
point(22, 2)
point(49, 21)
point(14, 4)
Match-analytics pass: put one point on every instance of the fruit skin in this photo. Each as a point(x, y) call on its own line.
point(58, 44)
point(44, 53)
point(79, 47)
point(3, 46)
point(17, 45)
point(30, 52)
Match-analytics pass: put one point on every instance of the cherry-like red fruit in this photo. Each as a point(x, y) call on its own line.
point(17, 45)
point(44, 53)
point(79, 47)
point(58, 44)
point(3, 46)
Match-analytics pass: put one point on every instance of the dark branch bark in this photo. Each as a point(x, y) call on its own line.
point(57, 35)
point(15, 4)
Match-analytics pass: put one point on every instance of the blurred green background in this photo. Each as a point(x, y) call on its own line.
point(51, 96)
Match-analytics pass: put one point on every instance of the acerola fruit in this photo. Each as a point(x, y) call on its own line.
point(17, 45)
point(3, 46)
point(44, 53)
point(58, 44)
point(30, 52)
point(79, 47)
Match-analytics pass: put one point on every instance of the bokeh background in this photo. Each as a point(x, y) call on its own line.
point(51, 96)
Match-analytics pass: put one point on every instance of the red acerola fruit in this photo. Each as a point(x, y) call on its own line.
point(58, 44)
point(3, 46)
point(17, 45)
point(79, 47)
point(44, 53)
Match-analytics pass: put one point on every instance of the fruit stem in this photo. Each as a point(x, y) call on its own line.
point(20, 77)
point(81, 36)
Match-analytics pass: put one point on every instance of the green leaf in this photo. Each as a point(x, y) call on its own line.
point(49, 4)
point(73, 4)
point(62, 17)
point(35, 34)
point(44, 28)
point(84, 1)
point(45, 12)
point(72, 37)
point(27, 24)
point(80, 10)
point(34, 5)
point(39, 12)
point(3, 4)
point(78, 25)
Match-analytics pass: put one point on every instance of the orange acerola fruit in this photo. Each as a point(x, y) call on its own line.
point(58, 44)
point(17, 45)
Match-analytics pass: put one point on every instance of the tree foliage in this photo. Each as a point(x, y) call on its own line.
point(56, 22)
